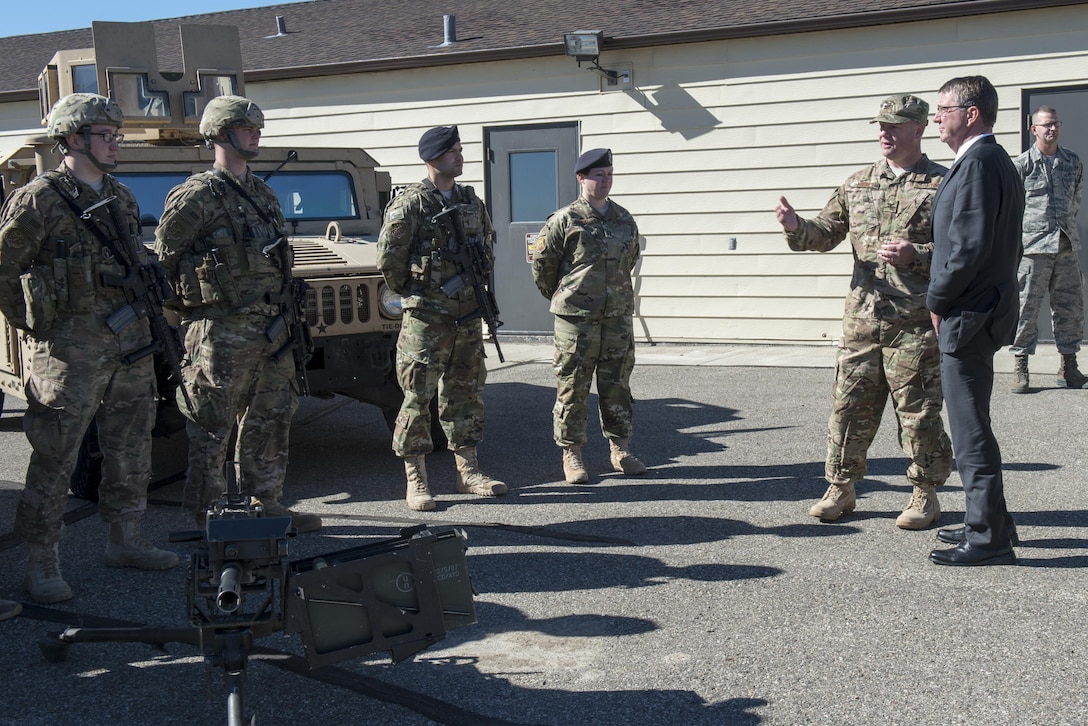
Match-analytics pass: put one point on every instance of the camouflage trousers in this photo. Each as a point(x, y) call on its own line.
point(584, 347)
point(234, 383)
point(1059, 276)
point(436, 356)
point(878, 358)
point(76, 375)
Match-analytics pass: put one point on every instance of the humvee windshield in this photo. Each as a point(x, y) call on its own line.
point(303, 195)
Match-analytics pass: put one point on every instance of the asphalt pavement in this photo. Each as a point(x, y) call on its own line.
point(701, 593)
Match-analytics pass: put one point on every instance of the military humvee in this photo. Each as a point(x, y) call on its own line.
point(332, 199)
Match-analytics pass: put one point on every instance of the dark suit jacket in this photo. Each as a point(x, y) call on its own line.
point(977, 215)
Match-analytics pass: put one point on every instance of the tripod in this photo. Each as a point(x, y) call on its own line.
point(397, 595)
point(236, 594)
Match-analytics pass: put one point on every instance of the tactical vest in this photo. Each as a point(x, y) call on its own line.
point(427, 269)
point(71, 272)
point(235, 263)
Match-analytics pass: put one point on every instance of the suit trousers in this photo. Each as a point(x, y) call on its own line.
point(967, 377)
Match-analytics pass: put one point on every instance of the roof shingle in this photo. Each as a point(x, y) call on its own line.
point(354, 35)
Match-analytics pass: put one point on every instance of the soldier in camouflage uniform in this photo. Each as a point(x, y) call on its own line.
point(218, 241)
point(52, 285)
point(1053, 181)
point(582, 263)
point(440, 348)
point(888, 344)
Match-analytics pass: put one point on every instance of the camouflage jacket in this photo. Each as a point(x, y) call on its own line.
point(583, 261)
point(212, 244)
point(411, 243)
point(875, 206)
point(1052, 192)
point(51, 259)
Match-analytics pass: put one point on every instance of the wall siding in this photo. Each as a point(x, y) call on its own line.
point(712, 135)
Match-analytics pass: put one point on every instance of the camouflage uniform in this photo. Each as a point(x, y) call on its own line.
point(76, 372)
point(583, 263)
point(1051, 262)
point(434, 353)
point(888, 343)
point(211, 242)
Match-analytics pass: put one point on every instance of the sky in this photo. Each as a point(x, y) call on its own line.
point(26, 18)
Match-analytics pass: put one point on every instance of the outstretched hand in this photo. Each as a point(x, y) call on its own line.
point(786, 214)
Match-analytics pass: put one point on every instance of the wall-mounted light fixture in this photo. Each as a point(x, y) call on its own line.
point(585, 47)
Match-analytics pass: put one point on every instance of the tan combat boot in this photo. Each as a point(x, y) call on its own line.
point(1020, 379)
point(573, 469)
point(419, 496)
point(43, 580)
point(128, 548)
point(1069, 376)
point(301, 521)
point(839, 499)
point(9, 609)
point(923, 510)
point(622, 458)
point(470, 480)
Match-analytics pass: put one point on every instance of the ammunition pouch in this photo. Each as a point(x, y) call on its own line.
point(424, 267)
point(275, 329)
point(69, 281)
point(40, 298)
point(207, 279)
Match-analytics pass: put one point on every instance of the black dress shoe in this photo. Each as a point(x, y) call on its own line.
point(954, 535)
point(965, 555)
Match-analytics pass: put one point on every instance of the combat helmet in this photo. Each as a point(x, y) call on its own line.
point(75, 114)
point(226, 113)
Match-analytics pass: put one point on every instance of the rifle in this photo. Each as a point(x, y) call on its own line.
point(291, 299)
point(146, 290)
point(473, 269)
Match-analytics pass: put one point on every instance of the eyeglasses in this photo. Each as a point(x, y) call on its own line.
point(1051, 125)
point(108, 136)
point(946, 109)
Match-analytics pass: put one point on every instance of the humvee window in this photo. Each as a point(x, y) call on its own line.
point(315, 195)
point(303, 195)
point(136, 99)
point(151, 188)
point(85, 78)
point(211, 85)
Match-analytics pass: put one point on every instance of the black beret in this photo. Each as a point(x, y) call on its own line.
point(592, 159)
point(437, 142)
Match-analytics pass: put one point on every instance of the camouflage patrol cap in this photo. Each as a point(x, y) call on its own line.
point(901, 109)
point(226, 112)
point(80, 110)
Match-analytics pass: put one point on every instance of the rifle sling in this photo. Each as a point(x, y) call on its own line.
point(87, 218)
point(245, 195)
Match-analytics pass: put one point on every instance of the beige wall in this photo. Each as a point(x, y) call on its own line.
point(704, 146)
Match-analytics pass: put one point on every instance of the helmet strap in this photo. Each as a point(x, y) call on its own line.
point(86, 151)
point(244, 153)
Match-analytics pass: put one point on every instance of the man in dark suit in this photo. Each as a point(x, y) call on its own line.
point(973, 300)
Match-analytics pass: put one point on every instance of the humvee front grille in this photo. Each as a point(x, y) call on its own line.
point(334, 303)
